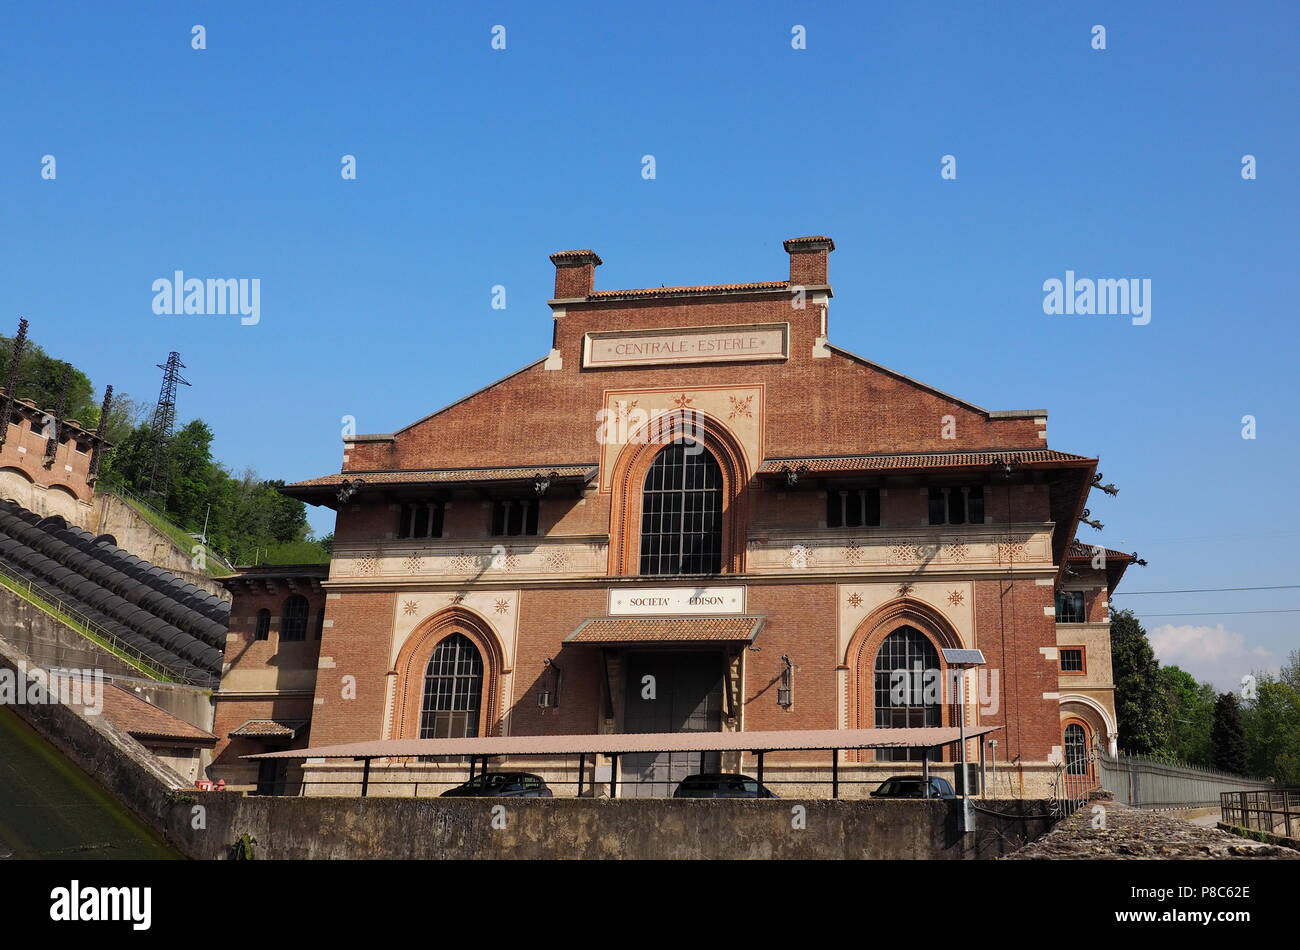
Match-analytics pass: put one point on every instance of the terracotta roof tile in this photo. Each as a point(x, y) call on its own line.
point(665, 629)
point(1086, 552)
point(858, 463)
point(140, 720)
point(269, 729)
point(688, 291)
point(449, 476)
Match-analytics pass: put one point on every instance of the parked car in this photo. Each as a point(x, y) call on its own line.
point(501, 785)
point(914, 786)
point(722, 785)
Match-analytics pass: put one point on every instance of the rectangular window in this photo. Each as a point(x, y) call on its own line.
point(852, 507)
point(957, 504)
point(1069, 606)
point(1072, 660)
point(514, 516)
point(420, 519)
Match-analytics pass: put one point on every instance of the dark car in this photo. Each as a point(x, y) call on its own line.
point(501, 785)
point(914, 786)
point(722, 785)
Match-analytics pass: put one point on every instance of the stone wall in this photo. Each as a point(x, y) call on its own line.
point(51, 643)
point(135, 534)
point(594, 829)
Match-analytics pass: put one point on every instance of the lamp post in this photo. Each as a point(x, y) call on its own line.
point(962, 660)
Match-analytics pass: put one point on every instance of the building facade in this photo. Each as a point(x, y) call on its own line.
point(697, 513)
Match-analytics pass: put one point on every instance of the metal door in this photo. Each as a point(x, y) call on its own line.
point(683, 694)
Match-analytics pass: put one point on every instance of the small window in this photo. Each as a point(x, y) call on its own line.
point(262, 629)
point(1069, 606)
point(1076, 749)
point(420, 519)
point(852, 507)
point(293, 625)
point(957, 504)
point(83, 447)
point(1072, 660)
point(514, 516)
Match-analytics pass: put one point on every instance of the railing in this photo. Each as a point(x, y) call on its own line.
point(65, 611)
point(1151, 783)
point(1073, 783)
point(1276, 811)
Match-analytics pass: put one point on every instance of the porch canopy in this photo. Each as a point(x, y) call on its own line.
point(610, 631)
point(760, 743)
point(629, 742)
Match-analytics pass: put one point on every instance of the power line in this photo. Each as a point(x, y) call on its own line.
point(1224, 613)
point(1204, 590)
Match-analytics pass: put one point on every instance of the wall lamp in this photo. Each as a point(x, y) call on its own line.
point(542, 483)
point(550, 698)
point(785, 692)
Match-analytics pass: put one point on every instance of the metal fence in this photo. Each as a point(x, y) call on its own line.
point(1276, 811)
point(1151, 783)
point(115, 644)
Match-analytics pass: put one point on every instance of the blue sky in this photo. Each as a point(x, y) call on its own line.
point(474, 164)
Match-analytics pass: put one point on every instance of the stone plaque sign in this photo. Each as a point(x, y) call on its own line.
point(760, 341)
point(627, 601)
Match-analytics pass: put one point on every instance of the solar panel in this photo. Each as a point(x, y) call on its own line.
point(963, 657)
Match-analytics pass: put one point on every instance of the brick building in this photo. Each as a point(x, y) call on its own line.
point(47, 479)
point(695, 512)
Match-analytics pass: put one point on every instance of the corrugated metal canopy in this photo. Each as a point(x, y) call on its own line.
point(623, 743)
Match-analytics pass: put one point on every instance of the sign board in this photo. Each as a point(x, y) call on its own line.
point(657, 601)
point(757, 341)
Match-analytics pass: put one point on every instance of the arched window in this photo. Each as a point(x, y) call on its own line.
point(905, 695)
point(293, 624)
point(262, 631)
point(681, 513)
point(1076, 749)
point(453, 686)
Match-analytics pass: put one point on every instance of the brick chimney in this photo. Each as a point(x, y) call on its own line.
point(575, 273)
point(808, 260)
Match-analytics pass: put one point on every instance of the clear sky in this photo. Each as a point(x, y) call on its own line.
point(473, 164)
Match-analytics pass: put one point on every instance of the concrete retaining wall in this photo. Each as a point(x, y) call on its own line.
point(594, 829)
point(49, 643)
point(133, 533)
point(205, 825)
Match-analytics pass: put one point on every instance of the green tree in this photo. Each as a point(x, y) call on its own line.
point(1272, 722)
point(1189, 707)
point(130, 460)
point(1139, 703)
point(40, 379)
point(1228, 736)
point(189, 474)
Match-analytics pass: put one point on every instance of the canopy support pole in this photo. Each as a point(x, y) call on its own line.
point(365, 777)
point(582, 770)
point(835, 773)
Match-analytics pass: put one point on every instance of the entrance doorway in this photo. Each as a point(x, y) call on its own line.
point(678, 691)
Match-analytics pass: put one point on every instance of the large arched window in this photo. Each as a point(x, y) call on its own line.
point(908, 688)
point(293, 624)
point(681, 513)
point(453, 686)
point(1076, 749)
